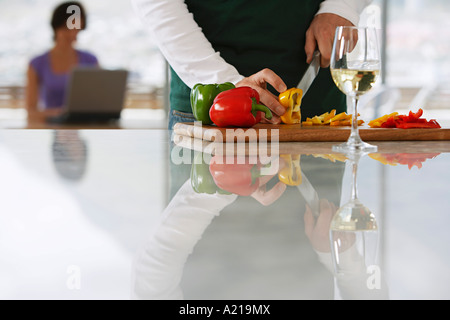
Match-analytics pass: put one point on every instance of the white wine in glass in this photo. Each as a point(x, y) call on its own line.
point(355, 67)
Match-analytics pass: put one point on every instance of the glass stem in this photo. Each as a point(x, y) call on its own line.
point(354, 138)
point(354, 183)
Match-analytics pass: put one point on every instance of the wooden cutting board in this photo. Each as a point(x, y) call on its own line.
point(296, 148)
point(296, 133)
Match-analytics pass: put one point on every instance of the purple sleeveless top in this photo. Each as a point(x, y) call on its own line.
point(53, 85)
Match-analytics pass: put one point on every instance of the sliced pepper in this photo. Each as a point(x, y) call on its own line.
point(340, 116)
point(376, 123)
point(389, 123)
point(316, 120)
point(291, 99)
point(291, 174)
point(202, 97)
point(412, 120)
point(330, 115)
point(419, 124)
point(345, 123)
point(412, 117)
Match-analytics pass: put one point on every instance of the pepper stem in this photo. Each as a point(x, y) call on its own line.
point(255, 173)
point(260, 107)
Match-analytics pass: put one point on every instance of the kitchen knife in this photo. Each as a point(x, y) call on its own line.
point(310, 195)
point(310, 73)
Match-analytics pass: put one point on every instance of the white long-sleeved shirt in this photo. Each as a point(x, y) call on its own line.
point(183, 44)
point(159, 266)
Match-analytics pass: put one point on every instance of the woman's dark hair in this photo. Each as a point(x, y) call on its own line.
point(60, 15)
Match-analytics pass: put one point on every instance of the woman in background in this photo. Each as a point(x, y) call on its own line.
point(48, 73)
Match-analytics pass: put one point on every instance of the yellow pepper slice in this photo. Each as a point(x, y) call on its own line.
point(376, 123)
point(340, 116)
point(316, 120)
point(344, 123)
point(327, 118)
point(291, 100)
point(291, 174)
point(331, 119)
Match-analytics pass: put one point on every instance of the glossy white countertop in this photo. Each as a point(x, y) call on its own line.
point(106, 214)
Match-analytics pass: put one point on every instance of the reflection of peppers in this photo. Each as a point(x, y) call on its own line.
point(202, 97)
point(201, 179)
point(291, 100)
point(237, 178)
point(409, 159)
point(238, 107)
point(291, 174)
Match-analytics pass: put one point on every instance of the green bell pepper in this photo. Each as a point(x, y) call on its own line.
point(202, 97)
point(201, 178)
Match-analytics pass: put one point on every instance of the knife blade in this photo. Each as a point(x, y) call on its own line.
point(310, 73)
point(310, 195)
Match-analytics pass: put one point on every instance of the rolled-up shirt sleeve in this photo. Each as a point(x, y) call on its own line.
point(348, 9)
point(182, 42)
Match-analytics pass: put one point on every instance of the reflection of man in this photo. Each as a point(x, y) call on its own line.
point(69, 154)
point(159, 266)
point(236, 238)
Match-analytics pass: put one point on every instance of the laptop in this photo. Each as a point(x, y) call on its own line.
point(93, 95)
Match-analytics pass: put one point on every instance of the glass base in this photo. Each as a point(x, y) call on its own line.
point(352, 146)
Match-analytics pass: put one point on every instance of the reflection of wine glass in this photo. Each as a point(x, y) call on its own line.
point(355, 67)
point(353, 231)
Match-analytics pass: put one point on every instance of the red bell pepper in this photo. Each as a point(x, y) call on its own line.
point(419, 124)
point(238, 107)
point(389, 123)
point(412, 117)
point(412, 120)
point(237, 178)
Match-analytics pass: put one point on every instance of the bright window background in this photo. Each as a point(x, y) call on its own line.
point(114, 34)
point(418, 43)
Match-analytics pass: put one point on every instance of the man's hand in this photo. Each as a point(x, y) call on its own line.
point(321, 34)
point(267, 197)
point(317, 229)
point(259, 81)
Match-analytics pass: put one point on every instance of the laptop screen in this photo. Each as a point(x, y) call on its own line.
point(95, 90)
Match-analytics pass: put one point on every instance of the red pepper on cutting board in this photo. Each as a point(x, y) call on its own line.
point(412, 120)
point(238, 107)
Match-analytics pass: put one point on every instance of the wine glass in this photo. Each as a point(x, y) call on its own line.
point(355, 67)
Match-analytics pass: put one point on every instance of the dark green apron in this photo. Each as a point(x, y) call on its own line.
point(252, 35)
